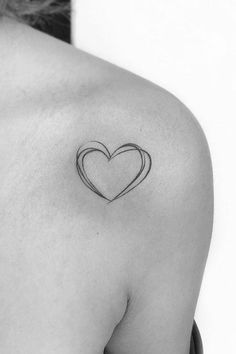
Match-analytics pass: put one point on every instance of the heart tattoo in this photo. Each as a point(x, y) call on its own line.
point(96, 146)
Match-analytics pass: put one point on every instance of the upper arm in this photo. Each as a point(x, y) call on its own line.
point(170, 224)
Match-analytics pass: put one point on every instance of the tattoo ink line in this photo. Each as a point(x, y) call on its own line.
point(93, 146)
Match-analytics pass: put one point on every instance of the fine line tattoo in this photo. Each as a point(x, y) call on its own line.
point(96, 146)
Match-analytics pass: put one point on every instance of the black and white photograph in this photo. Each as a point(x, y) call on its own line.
point(117, 176)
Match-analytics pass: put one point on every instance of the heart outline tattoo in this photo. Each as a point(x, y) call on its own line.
point(92, 146)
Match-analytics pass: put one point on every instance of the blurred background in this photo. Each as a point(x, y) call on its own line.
point(189, 48)
point(58, 25)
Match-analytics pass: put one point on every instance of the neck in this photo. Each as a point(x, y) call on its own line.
point(10, 31)
point(12, 34)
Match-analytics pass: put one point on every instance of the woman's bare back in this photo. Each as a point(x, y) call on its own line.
point(76, 271)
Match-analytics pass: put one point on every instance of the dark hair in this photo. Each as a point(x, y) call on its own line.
point(33, 11)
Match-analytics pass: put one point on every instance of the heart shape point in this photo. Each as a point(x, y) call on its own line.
point(96, 146)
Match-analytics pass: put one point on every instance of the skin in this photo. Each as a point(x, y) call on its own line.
point(79, 274)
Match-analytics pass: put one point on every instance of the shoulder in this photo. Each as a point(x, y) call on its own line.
point(179, 186)
point(118, 108)
point(156, 237)
point(165, 224)
point(158, 234)
point(170, 213)
point(125, 108)
point(85, 99)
